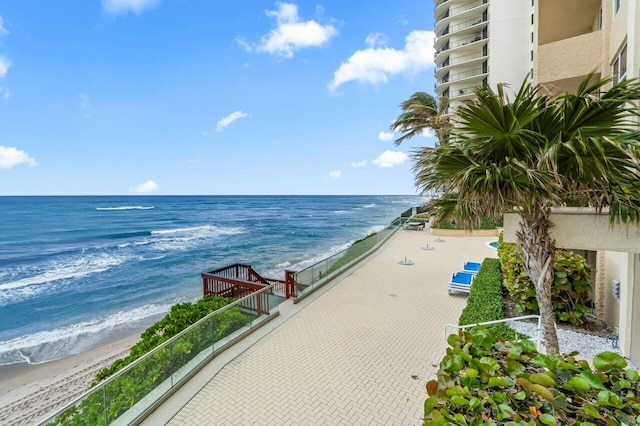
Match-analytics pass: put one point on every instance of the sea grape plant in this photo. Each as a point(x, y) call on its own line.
point(486, 381)
point(569, 292)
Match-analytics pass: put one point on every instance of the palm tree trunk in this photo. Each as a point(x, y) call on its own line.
point(538, 248)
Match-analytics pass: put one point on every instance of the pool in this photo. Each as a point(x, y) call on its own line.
point(492, 244)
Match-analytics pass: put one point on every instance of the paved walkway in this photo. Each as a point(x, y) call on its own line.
point(360, 353)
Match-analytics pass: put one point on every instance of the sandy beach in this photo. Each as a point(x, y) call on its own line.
point(29, 392)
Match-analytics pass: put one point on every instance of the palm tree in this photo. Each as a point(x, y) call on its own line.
point(536, 152)
point(419, 113)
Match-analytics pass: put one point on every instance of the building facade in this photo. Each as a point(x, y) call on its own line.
point(555, 44)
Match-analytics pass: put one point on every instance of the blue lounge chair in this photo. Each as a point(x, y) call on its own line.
point(471, 267)
point(460, 281)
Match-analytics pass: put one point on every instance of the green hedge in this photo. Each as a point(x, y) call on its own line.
point(485, 381)
point(570, 289)
point(124, 391)
point(485, 301)
point(487, 223)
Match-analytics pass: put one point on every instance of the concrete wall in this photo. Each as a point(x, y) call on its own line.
point(618, 31)
point(509, 42)
point(634, 334)
point(568, 58)
point(583, 229)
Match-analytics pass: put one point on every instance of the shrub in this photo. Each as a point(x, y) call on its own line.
point(486, 223)
point(569, 291)
point(421, 216)
point(179, 318)
point(486, 381)
point(124, 391)
point(485, 301)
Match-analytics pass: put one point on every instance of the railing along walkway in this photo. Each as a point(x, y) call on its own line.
point(537, 340)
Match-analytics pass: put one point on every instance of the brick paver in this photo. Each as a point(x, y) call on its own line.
point(360, 354)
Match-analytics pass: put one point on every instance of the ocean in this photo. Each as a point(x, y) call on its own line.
point(76, 272)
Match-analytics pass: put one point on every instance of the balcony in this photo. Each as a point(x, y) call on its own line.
point(472, 78)
point(463, 93)
point(454, 28)
point(469, 59)
point(569, 58)
point(469, 10)
point(560, 20)
point(466, 74)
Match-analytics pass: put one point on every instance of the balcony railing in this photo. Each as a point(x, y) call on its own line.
point(465, 58)
point(461, 9)
point(465, 24)
point(466, 74)
point(463, 92)
point(465, 41)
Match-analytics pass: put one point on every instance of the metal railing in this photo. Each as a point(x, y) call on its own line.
point(461, 9)
point(465, 58)
point(466, 24)
point(463, 92)
point(466, 40)
point(466, 74)
point(315, 276)
point(537, 340)
point(130, 393)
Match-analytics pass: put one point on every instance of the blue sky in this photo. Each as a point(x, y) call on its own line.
point(118, 97)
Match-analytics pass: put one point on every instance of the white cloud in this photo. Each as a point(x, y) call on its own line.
point(4, 92)
point(358, 164)
point(117, 7)
point(3, 29)
point(230, 119)
point(290, 34)
point(385, 136)
point(4, 66)
point(336, 174)
point(390, 159)
point(145, 187)
point(11, 156)
point(375, 64)
point(376, 39)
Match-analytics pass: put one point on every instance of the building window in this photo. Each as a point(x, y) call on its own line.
point(600, 19)
point(619, 67)
point(616, 6)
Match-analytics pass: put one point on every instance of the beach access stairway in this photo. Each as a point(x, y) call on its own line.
point(239, 280)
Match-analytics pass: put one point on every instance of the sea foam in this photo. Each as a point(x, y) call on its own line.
point(55, 344)
point(59, 270)
point(125, 208)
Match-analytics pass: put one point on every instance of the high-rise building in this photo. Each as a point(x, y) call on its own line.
point(552, 42)
point(481, 42)
point(555, 43)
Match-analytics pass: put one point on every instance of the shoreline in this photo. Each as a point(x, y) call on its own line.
point(29, 392)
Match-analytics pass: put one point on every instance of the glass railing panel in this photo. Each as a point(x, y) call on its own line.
point(191, 348)
point(148, 379)
point(311, 278)
point(232, 320)
point(91, 406)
